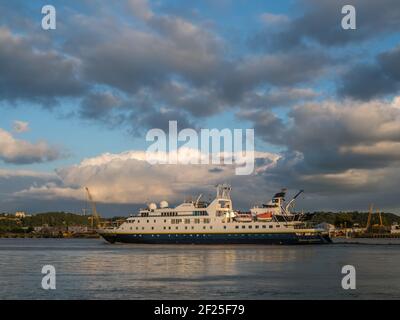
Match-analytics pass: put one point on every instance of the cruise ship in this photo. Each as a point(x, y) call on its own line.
point(216, 222)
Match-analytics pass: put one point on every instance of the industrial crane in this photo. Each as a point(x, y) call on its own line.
point(373, 228)
point(367, 228)
point(95, 216)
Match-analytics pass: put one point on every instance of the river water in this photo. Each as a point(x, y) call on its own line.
point(93, 269)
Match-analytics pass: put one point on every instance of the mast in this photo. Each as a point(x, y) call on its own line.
point(224, 191)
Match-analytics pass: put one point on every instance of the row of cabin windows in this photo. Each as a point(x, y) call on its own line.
point(200, 213)
point(173, 214)
point(169, 214)
point(176, 228)
point(204, 227)
point(207, 220)
point(257, 226)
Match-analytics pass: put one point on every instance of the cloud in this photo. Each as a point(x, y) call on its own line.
point(336, 146)
point(20, 126)
point(12, 181)
point(277, 97)
point(321, 24)
point(128, 178)
point(125, 181)
point(158, 62)
point(375, 79)
point(22, 152)
point(34, 74)
point(169, 62)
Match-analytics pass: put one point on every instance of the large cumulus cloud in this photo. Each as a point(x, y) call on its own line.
point(127, 178)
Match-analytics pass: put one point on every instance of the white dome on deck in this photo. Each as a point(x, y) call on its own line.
point(152, 206)
point(163, 204)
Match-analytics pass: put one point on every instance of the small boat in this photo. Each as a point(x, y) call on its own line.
point(266, 216)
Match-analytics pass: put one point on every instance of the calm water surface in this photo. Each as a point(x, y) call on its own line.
point(93, 269)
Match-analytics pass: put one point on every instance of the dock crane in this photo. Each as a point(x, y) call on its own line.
point(95, 216)
point(374, 228)
point(368, 226)
point(380, 220)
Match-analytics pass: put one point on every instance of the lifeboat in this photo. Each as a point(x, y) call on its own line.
point(266, 216)
point(244, 217)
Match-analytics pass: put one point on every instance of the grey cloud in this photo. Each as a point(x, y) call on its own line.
point(321, 23)
point(370, 80)
point(13, 181)
point(266, 124)
point(174, 51)
point(338, 147)
point(275, 69)
point(33, 73)
point(160, 120)
point(142, 65)
point(106, 107)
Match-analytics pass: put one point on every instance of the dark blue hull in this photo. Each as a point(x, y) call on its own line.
point(218, 238)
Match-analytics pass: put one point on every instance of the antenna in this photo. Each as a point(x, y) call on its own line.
point(198, 199)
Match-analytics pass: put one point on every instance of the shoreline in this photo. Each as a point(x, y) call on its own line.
point(45, 236)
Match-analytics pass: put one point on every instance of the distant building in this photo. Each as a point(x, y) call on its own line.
point(20, 214)
point(395, 228)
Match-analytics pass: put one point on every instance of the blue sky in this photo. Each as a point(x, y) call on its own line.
point(322, 100)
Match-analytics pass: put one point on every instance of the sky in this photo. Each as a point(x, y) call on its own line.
point(77, 102)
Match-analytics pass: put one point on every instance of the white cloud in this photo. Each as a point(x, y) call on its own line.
point(128, 178)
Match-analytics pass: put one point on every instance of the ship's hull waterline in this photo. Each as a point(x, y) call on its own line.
point(222, 238)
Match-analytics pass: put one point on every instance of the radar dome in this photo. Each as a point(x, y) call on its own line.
point(163, 204)
point(152, 206)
